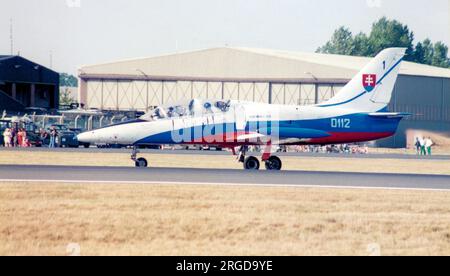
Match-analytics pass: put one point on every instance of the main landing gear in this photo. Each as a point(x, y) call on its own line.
point(139, 162)
point(271, 162)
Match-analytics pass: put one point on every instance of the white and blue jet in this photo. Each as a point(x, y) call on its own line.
point(357, 113)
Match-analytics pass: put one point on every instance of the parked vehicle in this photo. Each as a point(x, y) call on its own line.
point(67, 137)
point(36, 111)
point(32, 133)
point(78, 131)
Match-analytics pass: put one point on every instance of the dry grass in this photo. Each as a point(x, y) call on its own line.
point(38, 219)
point(227, 162)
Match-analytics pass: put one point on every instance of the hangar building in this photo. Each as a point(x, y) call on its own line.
point(270, 76)
point(24, 83)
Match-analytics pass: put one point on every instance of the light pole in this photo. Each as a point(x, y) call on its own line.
point(146, 83)
point(142, 72)
point(316, 87)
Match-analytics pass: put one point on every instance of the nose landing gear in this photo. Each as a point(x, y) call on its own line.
point(139, 162)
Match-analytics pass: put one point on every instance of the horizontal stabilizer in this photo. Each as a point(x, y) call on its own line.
point(390, 114)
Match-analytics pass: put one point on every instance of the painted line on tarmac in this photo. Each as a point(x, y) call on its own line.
point(184, 183)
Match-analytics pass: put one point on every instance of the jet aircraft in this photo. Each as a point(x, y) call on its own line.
point(358, 113)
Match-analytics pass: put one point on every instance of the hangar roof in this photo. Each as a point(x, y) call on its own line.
point(3, 57)
point(19, 69)
point(246, 64)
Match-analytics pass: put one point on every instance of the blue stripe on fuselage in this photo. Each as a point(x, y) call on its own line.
point(357, 123)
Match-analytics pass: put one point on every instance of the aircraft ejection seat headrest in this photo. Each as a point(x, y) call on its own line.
point(223, 106)
point(160, 112)
point(195, 107)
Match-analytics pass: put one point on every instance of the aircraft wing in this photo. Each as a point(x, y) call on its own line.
point(283, 133)
point(249, 136)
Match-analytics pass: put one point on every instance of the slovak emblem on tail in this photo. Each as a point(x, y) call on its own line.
point(369, 82)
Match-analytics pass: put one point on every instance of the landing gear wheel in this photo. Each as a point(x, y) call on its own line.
point(251, 163)
point(141, 163)
point(273, 164)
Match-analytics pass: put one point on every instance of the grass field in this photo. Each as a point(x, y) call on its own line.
point(106, 219)
point(227, 162)
point(40, 219)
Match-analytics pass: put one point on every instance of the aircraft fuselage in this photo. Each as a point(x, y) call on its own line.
point(289, 125)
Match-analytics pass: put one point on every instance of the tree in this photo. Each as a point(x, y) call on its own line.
point(68, 80)
point(65, 97)
point(428, 52)
point(341, 43)
point(387, 33)
point(424, 52)
point(419, 53)
point(440, 54)
point(391, 33)
point(361, 45)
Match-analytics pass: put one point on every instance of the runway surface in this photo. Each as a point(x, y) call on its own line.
point(221, 177)
point(213, 153)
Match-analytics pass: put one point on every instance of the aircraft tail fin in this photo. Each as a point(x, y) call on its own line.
point(371, 89)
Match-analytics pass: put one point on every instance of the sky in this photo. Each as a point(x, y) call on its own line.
point(67, 34)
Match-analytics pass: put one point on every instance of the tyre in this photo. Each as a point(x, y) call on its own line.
point(273, 164)
point(141, 163)
point(251, 163)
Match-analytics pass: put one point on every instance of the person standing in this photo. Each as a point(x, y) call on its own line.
point(19, 138)
point(422, 146)
point(53, 136)
point(7, 138)
point(24, 138)
point(43, 136)
point(417, 145)
point(13, 137)
point(428, 144)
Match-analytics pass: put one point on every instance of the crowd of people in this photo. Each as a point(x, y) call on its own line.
point(16, 138)
point(343, 148)
point(424, 146)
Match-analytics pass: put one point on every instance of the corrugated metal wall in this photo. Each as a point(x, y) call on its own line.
point(428, 99)
point(139, 95)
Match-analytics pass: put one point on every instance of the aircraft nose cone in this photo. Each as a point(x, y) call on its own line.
point(86, 137)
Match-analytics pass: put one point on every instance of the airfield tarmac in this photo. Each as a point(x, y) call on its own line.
point(387, 170)
point(180, 176)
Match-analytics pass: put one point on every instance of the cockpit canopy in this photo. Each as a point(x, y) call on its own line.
point(194, 108)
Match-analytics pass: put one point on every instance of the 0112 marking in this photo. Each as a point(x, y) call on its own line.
point(341, 123)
